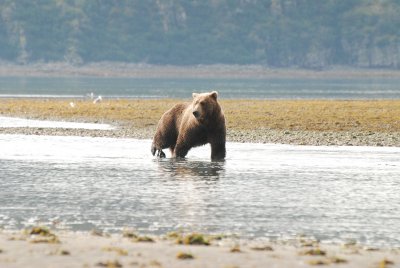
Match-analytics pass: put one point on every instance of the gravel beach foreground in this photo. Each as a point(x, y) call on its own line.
point(302, 122)
point(40, 247)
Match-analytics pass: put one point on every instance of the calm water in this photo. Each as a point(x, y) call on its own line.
point(77, 87)
point(275, 191)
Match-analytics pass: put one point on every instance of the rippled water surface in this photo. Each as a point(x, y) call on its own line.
point(332, 193)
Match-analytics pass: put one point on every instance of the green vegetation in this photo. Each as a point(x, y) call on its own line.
point(184, 256)
point(43, 231)
point(194, 239)
point(278, 33)
point(41, 234)
point(144, 239)
point(110, 264)
point(314, 252)
point(118, 250)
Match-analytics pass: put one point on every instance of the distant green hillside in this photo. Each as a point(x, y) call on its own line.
point(276, 33)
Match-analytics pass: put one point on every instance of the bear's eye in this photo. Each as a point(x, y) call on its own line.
point(202, 103)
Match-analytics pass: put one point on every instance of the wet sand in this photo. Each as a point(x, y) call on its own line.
point(70, 249)
point(301, 122)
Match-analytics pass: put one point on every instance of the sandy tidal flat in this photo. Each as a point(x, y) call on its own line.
point(69, 249)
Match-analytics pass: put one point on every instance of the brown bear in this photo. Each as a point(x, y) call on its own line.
point(188, 125)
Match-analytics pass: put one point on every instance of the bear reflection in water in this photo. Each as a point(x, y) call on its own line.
point(183, 168)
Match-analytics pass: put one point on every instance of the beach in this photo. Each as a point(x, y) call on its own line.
point(301, 122)
point(41, 247)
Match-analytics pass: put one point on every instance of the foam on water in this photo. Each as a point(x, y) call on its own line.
point(268, 190)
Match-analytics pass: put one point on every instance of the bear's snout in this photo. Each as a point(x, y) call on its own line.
point(196, 114)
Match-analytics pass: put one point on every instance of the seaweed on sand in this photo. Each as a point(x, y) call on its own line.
point(184, 256)
point(42, 234)
point(194, 239)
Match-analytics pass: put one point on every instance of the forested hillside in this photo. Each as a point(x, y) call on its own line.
point(276, 33)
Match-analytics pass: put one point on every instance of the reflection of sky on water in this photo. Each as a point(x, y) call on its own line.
point(11, 122)
point(333, 193)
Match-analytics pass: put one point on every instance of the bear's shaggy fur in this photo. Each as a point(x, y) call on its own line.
point(188, 125)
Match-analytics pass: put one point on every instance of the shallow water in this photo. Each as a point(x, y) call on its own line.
point(11, 122)
point(267, 190)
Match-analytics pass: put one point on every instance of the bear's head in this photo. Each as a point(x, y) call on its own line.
point(205, 106)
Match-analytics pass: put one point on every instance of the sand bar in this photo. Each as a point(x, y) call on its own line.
point(303, 122)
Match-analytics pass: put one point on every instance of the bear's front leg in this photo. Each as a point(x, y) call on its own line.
point(218, 151)
point(181, 150)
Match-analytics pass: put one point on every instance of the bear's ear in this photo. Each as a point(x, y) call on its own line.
point(214, 94)
point(194, 95)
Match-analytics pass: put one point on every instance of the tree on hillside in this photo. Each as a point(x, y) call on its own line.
point(278, 33)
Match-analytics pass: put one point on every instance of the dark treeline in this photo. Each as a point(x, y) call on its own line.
point(276, 33)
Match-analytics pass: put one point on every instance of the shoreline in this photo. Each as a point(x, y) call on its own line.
point(41, 247)
point(143, 70)
point(263, 136)
point(298, 122)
